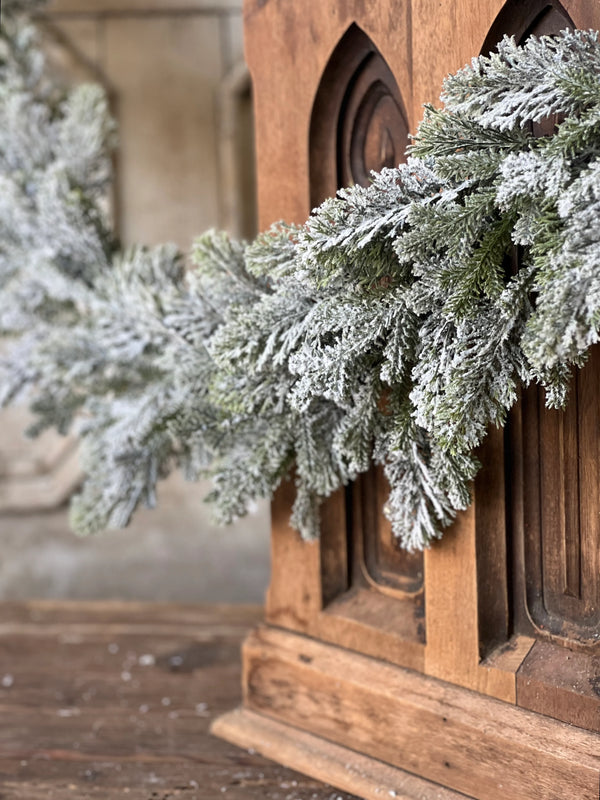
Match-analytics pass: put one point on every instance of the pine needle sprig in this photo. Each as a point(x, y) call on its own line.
point(521, 84)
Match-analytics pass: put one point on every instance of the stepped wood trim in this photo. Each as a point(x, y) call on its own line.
point(472, 744)
point(344, 768)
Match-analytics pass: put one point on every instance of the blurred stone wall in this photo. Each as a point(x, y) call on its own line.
point(181, 94)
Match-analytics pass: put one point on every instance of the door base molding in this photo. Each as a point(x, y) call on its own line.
point(325, 761)
point(324, 710)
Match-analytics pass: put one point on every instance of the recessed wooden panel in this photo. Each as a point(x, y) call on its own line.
point(346, 102)
point(379, 560)
point(358, 122)
point(558, 470)
point(561, 514)
point(359, 125)
point(552, 495)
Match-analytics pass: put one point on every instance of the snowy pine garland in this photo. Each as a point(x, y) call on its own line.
point(390, 328)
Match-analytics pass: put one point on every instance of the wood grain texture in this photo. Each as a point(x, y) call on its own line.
point(301, 44)
point(453, 643)
point(584, 14)
point(295, 597)
point(346, 769)
point(107, 700)
point(446, 36)
point(562, 683)
point(469, 743)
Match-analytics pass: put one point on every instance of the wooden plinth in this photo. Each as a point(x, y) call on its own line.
point(335, 714)
point(341, 767)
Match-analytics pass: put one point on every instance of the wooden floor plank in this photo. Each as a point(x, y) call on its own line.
point(114, 700)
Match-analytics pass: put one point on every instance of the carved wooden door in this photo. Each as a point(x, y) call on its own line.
point(507, 603)
point(468, 611)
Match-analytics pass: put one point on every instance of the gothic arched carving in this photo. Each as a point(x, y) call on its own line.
point(358, 123)
point(523, 19)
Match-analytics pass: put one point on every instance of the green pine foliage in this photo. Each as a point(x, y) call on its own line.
point(394, 327)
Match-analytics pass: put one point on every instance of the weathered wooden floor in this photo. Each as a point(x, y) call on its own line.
point(111, 700)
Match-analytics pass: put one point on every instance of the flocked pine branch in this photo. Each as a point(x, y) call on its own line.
point(394, 327)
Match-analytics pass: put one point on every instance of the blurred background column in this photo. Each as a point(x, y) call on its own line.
point(180, 91)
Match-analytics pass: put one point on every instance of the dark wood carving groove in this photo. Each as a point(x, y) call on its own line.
point(561, 516)
point(359, 125)
point(378, 558)
point(372, 127)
